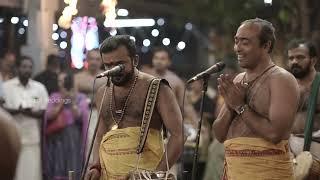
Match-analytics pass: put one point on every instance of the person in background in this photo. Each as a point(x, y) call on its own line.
point(49, 77)
point(194, 95)
point(8, 66)
point(114, 153)
point(84, 79)
point(161, 61)
point(84, 84)
point(214, 166)
point(26, 100)
point(65, 130)
point(302, 58)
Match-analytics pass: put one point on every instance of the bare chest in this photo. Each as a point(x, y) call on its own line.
point(258, 98)
point(126, 109)
point(301, 116)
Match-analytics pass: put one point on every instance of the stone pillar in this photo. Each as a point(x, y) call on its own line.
point(41, 16)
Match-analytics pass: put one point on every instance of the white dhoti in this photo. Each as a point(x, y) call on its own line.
point(29, 163)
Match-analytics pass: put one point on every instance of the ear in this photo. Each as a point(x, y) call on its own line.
point(135, 60)
point(314, 61)
point(267, 46)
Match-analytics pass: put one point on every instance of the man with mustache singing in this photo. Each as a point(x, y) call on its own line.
point(302, 58)
point(114, 153)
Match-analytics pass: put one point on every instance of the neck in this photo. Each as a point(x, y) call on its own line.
point(260, 67)
point(308, 79)
point(93, 72)
point(24, 81)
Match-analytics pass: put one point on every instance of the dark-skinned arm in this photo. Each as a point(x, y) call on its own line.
point(171, 116)
point(222, 123)
point(284, 97)
point(283, 106)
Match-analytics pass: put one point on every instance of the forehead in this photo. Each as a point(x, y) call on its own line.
point(26, 62)
point(248, 31)
point(300, 50)
point(93, 53)
point(121, 53)
point(161, 53)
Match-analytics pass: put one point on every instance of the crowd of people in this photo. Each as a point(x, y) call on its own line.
point(260, 123)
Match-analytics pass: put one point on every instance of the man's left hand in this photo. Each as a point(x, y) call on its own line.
point(233, 94)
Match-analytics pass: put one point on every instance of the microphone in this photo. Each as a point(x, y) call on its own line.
point(112, 72)
point(213, 69)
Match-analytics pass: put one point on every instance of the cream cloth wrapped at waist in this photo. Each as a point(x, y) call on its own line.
point(257, 159)
point(297, 143)
point(118, 152)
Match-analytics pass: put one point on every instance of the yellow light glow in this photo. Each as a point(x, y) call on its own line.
point(109, 10)
point(67, 13)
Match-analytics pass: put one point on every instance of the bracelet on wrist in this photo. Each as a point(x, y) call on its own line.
point(96, 166)
point(241, 109)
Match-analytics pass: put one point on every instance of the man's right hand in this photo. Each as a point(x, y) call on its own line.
point(93, 174)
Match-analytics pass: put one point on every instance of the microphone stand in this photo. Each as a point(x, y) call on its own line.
point(195, 156)
point(84, 169)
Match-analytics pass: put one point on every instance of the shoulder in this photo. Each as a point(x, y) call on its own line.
point(148, 78)
point(80, 74)
point(10, 82)
point(174, 76)
point(40, 75)
point(37, 85)
point(147, 69)
point(174, 79)
point(145, 77)
point(283, 82)
point(280, 75)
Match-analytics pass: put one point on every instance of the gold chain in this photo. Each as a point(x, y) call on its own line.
point(125, 104)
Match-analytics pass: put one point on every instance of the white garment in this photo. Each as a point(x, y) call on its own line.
point(34, 96)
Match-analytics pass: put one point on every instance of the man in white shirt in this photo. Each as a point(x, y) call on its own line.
point(26, 100)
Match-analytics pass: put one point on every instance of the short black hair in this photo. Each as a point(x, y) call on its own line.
point(22, 58)
point(267, 31)
point(295, 43)
point(114, 42)
point(162, 49)
point(53, 60)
